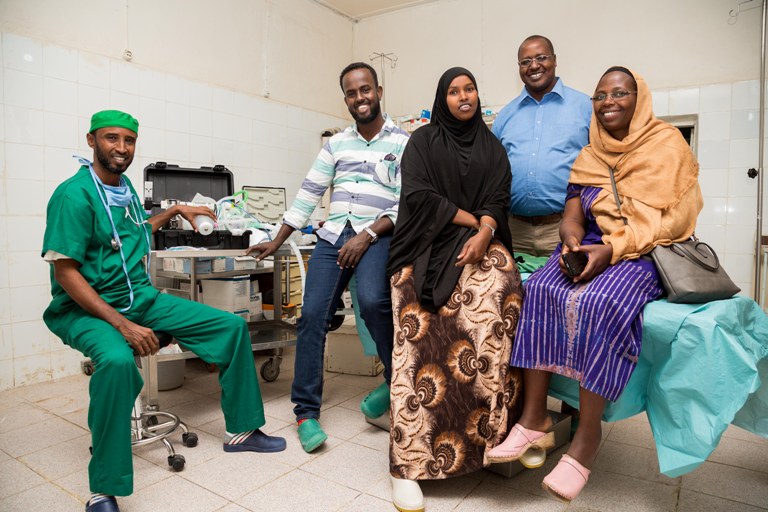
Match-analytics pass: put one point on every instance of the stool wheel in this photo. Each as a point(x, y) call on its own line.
point(270, 370)
point(152, 421)
point(335, 322)
point(189, 439)
point(87, 367)
point(176, 462)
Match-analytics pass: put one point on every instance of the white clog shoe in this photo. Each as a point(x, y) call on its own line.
point(406, 495)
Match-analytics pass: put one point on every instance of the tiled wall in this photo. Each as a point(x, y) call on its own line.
point(727, 147)
point(47, 95)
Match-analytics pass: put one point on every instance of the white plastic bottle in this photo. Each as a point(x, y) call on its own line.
point(204, 224)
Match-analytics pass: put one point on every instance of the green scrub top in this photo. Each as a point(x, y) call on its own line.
point(78, 227)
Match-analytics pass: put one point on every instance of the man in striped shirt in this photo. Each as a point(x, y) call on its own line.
point(362, 166)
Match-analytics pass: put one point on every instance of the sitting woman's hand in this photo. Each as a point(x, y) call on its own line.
point(474, 248)
point(599, 257)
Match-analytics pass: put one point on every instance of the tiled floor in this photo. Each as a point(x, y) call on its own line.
point(44, 457)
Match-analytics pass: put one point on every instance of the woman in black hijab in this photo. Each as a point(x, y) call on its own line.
point(456, 297)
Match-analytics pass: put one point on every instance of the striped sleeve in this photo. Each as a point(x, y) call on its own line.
point(318, 180)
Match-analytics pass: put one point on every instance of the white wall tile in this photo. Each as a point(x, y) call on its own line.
point(222, 151)
point(743, 153)
point(714, 154)
point(22, 53)
point(744, 124)
point(91, 100)
point(28, 303)
point(177, 147)
point(714, 125)
point(4, 263)
point(6, 342)
point(223, 125)
point(60, 96)
point(200, 150)
point(684, 101)
point(2, 120)
point(740, 239)
point(741, 210)
point(60, 63)
point(151, 113)
point(22, 89)
point(715, 98)
point(6, 374)
point(151, 143)
point(27, 268)
point(65, 362)
point(242, 129)
point(124, 77)
point(26, 233)
point(4, 243)
point(200, 95)
point(242, 154)
point(152, 84)
point(177, 90)
point(32, 369)
point(714, 211)
point(713, 182)
point(5, 306)
point(741, 185)
point(740, 267)
point(124, 101)
point(92, 70)
point(200, 121)
point(24, 198)
point(59, 164)
point(223, 101)
point(746, 95)
point(23, 161)
point(23, 125)
point(30, 338)
point(60, 130)
point(177, 117)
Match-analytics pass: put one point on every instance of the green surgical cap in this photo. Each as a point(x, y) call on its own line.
point(107, 118)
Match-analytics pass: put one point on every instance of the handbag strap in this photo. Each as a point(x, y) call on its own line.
point(616, 194)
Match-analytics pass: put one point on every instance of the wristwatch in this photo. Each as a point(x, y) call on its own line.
point(373, 235)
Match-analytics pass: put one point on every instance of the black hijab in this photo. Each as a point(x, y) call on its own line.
point(447, 164)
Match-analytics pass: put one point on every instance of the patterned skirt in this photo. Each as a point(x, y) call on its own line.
point(453, 393)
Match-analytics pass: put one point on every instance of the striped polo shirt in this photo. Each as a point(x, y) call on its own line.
point(364, 176)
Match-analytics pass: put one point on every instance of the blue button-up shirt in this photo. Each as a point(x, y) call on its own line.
point(542, 139)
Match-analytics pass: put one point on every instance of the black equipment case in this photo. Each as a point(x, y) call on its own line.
point(164, 181)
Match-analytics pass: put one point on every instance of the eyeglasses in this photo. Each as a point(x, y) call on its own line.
point(615, 95)
point(541, 59)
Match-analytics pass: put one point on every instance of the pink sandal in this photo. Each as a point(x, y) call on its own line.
point(519, 441)
point(566, 481)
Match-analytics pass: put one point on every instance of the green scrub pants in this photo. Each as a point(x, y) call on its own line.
point(215, 336)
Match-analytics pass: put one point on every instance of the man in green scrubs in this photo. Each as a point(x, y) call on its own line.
point(96, 239)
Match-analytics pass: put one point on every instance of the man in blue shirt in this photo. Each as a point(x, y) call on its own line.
point(543, 131)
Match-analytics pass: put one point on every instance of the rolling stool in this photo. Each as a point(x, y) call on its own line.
point(146, 427)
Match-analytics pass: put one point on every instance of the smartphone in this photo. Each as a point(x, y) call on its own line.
point(575, 262)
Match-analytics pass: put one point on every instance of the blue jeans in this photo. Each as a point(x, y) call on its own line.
point(324, 285)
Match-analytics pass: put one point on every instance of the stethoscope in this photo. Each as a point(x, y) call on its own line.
point(116, 243)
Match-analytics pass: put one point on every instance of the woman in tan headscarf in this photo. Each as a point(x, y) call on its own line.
point(586, 324)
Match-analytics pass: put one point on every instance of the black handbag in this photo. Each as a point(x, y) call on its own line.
point(690, 271)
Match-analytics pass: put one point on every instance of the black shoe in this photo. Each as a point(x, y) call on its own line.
point(108, 504)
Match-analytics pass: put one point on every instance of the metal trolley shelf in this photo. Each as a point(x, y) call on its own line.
point(265, 335)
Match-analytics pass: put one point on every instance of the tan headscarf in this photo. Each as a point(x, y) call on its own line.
point(656, 177)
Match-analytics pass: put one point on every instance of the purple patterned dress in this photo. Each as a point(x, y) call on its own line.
point(589, 331)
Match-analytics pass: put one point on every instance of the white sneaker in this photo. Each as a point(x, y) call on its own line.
point(406, 495)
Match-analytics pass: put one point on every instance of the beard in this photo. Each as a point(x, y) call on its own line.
point(111, 166)
point(374, 113)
